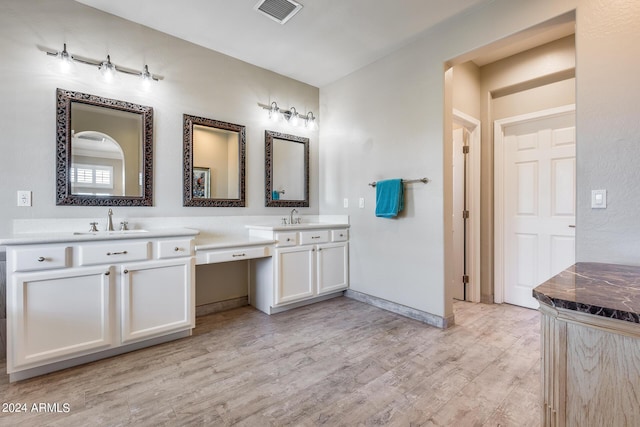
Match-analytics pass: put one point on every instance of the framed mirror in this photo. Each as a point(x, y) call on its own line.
point(286, 170)
point(214, 163)
point(104, 151)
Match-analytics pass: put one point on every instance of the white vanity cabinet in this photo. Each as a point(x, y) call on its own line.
point(81, 300)
point(55, 314)
point(308, 265)
point(156, 298)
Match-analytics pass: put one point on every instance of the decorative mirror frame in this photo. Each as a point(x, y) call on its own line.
point(268, 147)
point(64, 195)
point(187, 195)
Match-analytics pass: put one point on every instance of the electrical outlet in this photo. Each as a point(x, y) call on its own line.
point(361, 203)
point(345, 202)
point(24, 198)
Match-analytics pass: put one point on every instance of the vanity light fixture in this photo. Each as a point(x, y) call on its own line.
point(107, 68)
point(291, 116)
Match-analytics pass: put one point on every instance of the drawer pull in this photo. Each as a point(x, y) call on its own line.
point(238, 255)
point(315, 237)
point(319, 249)
point(341, 235)
point(288, 239)
point(116, 253)
point(177, 249)
point(107, 273)
point(125, 271)
point(41, 259)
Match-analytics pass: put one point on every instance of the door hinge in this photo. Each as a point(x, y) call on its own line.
point(465, 279)
point(465, 149)
point(465, 214)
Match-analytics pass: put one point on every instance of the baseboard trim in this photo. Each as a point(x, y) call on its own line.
point(216, 307)
point(403, 310)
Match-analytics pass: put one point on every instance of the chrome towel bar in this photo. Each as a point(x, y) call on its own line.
point(406, 181)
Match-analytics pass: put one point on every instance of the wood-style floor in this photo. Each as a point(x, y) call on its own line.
point(335, 363)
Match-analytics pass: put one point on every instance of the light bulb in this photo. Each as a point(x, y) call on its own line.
point(293, 119)
point(65, 59)
point(310, 122)
point(146, 77)
point(108, 69)
point(274, 112)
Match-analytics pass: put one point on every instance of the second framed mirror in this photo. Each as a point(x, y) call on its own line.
point(286, 170)
point(214, 163)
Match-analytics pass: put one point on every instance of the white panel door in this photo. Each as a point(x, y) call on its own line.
point(539, 204)
point(457, 287)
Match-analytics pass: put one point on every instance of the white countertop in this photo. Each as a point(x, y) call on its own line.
point(304, 226)
point(220, 242)
point(70, 236)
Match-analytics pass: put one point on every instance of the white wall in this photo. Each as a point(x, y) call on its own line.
point(386, 120)
point(197, 81)
point(608, 124)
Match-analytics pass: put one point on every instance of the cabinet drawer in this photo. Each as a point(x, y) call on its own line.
point(113, 252)
point(286, 239)
point(174, 248)
point(43, 258)
point(317, 236)
point(339, 235)
point(237, 254)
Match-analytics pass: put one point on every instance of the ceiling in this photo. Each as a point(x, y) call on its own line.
point(325, 41)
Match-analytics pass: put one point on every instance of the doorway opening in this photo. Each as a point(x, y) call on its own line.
point(530, 71)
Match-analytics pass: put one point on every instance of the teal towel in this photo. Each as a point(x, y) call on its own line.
point(389, 198)
point(275, 195)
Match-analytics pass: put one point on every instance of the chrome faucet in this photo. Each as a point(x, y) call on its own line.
point(291, 215)
point(109, 220)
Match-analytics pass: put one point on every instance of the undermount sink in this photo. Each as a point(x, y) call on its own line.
point(103, 233)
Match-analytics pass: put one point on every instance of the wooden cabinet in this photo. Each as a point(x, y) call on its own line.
point(308, 265)
point(590, 369)
point(66, 302)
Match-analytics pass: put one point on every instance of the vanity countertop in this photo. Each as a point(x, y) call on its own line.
point(207, 242)
point(298, 227)
point(607, 290)
point(70, 236)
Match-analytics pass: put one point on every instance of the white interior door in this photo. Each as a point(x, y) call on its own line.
point(539, 203)
point(458, 220)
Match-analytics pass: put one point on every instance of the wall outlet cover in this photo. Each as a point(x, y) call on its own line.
point(24, 198)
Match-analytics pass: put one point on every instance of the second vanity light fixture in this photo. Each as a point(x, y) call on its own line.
point(106, 67)
point(291, 116)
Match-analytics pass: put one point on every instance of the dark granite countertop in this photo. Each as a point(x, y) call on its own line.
point(607, 290)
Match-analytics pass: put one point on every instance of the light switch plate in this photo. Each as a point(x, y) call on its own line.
point(345, 203)
point(598, 199)
point(361, 203)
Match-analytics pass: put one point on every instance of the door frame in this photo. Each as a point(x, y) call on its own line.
point(473, 186)
point(498, 187)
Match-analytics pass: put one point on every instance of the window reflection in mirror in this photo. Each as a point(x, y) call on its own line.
point(104, 151)
point(286, 170)
point(214, 163)
point(106, 154)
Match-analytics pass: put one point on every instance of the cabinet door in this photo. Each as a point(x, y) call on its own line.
point(157, 297)
point(59, 313)
point(294, 273)
point(333, 270)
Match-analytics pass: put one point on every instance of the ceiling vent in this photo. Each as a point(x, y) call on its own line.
point(278, 10)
